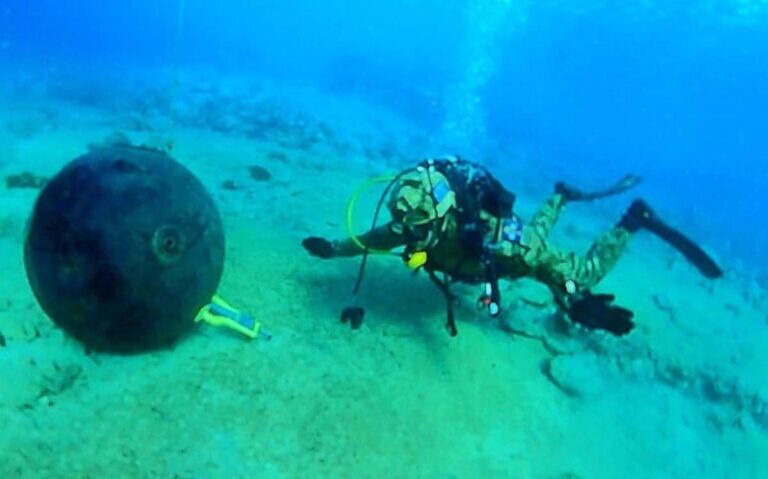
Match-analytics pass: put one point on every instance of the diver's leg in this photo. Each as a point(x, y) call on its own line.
point(546, 217)
point(570, 276)
point(567, 272)
point(587, 271)
point(603, 255)
point(525, 252)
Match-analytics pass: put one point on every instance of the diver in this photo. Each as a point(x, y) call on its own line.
point(455, 221)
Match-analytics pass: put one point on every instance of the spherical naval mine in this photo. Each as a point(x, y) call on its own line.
point(123, 249)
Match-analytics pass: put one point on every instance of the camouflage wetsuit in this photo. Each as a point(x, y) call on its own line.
point(453, 217)
point(516, 249)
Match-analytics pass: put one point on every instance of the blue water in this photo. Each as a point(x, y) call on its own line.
point(671, 90)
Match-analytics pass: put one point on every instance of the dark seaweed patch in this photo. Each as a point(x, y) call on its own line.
point(259, 173)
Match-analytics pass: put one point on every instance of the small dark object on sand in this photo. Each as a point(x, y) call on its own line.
point(229, 185)
point(2, 341)
point(259, 173)
point(124, 247)
point(25, 180)
point(353, 315)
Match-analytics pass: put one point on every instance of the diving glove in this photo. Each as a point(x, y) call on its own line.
point(595, 311)
point(320, 247)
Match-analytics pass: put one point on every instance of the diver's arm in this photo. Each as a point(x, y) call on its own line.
point(380, 238)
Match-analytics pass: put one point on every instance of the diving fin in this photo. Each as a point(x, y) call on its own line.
point(571, 193)
point(640, 215)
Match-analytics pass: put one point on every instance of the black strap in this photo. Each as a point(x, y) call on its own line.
point(476, 191)
point(492, 278)
point(445, 287)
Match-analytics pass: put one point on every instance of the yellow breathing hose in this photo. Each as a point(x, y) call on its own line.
point(351, 210)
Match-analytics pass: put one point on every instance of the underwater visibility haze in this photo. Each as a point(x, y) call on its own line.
point(414, 238)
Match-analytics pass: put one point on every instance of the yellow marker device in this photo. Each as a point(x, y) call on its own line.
point(221, 314)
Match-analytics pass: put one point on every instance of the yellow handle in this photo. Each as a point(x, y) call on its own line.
point(223, 322)
point(417, 260)
point(220, 321)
